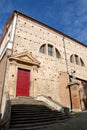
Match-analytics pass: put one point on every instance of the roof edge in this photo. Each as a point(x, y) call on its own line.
point(63, 34)
point(49, 27)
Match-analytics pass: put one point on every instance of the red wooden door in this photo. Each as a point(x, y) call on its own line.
point(23, 83)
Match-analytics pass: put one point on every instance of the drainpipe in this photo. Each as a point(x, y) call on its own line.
point(70, 97)
point(65, 54)
point(67, 71)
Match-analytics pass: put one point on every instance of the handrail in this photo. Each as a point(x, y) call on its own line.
point(50, 102)
point(5, 119)
point(53, 104)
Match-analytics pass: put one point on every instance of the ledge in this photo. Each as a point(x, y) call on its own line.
point(73, 83)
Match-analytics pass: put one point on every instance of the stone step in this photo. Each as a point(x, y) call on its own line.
point(28, 106)
point(36, 115)
point(13, 122)
point(33, 117)
point(26, 116)
point(25, 125)
point(26, 100)
point(38, 127)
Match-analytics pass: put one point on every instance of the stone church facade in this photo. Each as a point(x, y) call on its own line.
point(36, 59)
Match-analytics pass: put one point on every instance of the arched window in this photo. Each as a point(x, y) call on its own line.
point(50, 50)
point(76, 60)
point(43, 48)
point(57, 53)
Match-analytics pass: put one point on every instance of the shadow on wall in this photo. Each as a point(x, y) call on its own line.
point(84, 84)
point(85, 102)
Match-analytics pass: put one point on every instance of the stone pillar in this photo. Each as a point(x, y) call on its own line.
point(33, 84)
point(64, 97)
point(12, 78)
point(75, 96)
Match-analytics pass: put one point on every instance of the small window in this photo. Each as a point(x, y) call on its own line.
point(50, 50)
point(77, 59)
point(81, 61)
point(57, 53)
point(71, 59)
point(43, 48)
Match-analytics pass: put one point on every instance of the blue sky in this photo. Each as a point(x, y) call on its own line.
point(67, 16)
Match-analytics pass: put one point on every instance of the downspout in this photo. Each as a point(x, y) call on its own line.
point(66, 61)
point(7, 58)
point(65, 55)
point(70, 96)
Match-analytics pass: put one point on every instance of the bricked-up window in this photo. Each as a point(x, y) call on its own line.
point(57, 53)
point(43, 48)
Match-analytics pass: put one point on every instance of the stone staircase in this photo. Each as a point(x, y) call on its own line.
point(26, 100)
point(30, 114)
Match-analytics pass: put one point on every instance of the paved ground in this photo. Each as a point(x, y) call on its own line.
point(77, 122)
